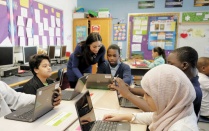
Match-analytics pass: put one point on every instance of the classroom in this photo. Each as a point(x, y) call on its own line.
point(75, 62)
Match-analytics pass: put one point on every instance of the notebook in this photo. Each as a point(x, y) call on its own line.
point(43, 104)
point(87, 117)
point(70, 94)
point(98, 81)
point(123, 102)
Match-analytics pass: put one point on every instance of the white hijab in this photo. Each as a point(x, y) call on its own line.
point(172, 93)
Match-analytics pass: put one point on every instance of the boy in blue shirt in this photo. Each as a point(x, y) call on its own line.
point(114, 66)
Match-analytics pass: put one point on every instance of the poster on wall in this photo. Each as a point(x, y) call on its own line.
point(173, 3)
point(4, 24)
point(143, 4)
point(195, 17)
point(201, 3)
point(95, 28)
point(162, 32)
point(81, 33)
point(119, 32)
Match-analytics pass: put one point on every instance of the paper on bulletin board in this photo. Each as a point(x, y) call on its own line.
point(37, 15)
point(136, 47)
point(30, 41)
point(22, 41)
point(44, 41)
point(46, 24)
point(51, 40)
point(36, 40)
point(24, 3)
point(57, 31)
point(51, 31)
point(41, 29)
point(20, 31)
point(24, 12)
point(29, 32)
point(58, 22)
point(58, 41)
point(29, 23)
point(137, 38)
point(52, 21)
point(20, 21)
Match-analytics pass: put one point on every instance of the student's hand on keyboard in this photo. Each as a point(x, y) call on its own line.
point(117, 117)
point(57, 97)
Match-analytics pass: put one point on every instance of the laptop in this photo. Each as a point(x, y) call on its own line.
point(70, 94)
point(98, 81)
point(123, 102)
point(87, 117)
point(43, 104)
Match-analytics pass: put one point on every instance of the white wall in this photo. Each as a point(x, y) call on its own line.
point(68, 7)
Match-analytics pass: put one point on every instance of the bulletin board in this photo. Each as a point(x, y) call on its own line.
point(37, 24)
point(48, 25)
point(194, 32)
point(4, 21)
point(147, 31)
point(23, 22)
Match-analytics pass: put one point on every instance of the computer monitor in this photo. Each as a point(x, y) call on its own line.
point(63, 51)
point(28, 51)
point(51, 52)
point(6, 56)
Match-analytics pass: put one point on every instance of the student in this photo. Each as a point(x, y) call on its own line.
point(159, 57)
point(114, 66)
point(203, 68)
point(12, 100)
point(185, 58)
point(86, 53)
point(41, 69)
point(170, 94)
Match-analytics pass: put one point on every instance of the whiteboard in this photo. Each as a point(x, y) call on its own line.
point(196, 36)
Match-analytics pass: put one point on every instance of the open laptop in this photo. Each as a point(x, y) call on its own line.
point(123, 102)
point(43, 104)
point(70, 94)
point(87, 117)
point(99, 81)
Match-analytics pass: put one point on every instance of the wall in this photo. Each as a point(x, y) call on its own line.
point(120, 8)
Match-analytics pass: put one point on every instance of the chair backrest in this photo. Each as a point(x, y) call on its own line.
point(64, 81)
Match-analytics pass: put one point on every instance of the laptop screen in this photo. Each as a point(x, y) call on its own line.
point(85, 112)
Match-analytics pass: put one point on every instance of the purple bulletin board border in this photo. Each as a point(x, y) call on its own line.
point(48, 16)
point(4, 22)
point(144, 44)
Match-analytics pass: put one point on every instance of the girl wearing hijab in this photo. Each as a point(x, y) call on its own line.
point(169, 94)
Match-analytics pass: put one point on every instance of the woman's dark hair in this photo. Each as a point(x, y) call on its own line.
point(187, 54)
point(160, 51)
point(114, 47)
point(85, 47)
point(36, 60)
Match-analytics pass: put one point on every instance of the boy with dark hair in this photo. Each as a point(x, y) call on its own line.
point(185, 58)
point(203, 68)
point(41, 69)
point(114, 66)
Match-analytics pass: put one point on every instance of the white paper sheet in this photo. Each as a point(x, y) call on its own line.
point(51, 40)
point(58, 22)
point(58, 41)
point(30, 41)
point(20, 21)
point(137, 38)
point(29, 23)
point(136, 47)
point(37, 15)
point(52, 21)
point(36, 40)
point(57, 31)
point(29, 32)
point(22, 41)
point(24, 12)
point(44, 42)
point(20, 31)
point(51, 31)
point(46, 24)
point(41, 29)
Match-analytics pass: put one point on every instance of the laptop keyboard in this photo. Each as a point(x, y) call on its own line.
point(27, 115)
point(66, 94)
point(105, 126)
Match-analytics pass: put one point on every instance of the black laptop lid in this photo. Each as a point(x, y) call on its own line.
point(85, 112)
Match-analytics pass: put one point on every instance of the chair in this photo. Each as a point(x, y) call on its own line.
point(203, 119)
point(62, 76)
point(18, 89)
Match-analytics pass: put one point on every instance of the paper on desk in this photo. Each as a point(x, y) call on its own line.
point(58, 119)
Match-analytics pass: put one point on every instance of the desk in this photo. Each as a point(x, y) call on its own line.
point(105, 102)
point(13, 81)
point(137, 70)
point(45, 122)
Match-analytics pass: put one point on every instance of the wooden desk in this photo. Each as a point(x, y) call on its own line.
point(14, 81)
